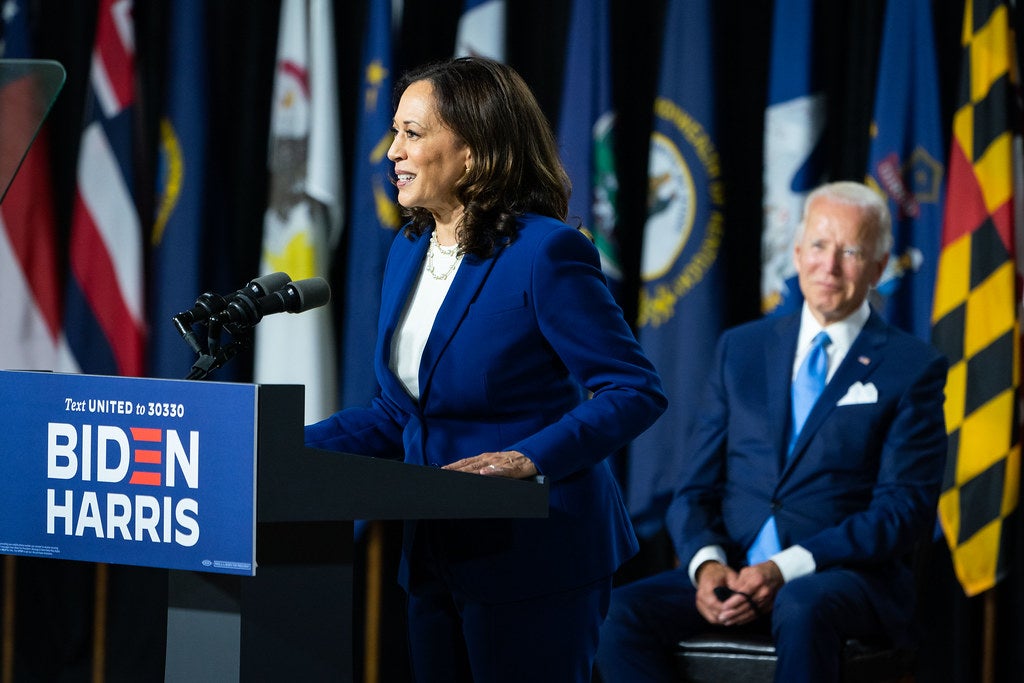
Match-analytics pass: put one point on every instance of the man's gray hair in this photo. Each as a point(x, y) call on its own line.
point(862, 196)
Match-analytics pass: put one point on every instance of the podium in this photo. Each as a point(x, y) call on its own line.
point(294, 616)
point(212, 481)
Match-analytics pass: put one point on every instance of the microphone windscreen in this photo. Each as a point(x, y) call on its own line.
point(269, 283)
point(312, 292)
point(296, 297)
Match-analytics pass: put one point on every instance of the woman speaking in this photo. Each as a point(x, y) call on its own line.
point(500, 352)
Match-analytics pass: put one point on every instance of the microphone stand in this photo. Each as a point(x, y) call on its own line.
point(207, 362)
point(212, 354)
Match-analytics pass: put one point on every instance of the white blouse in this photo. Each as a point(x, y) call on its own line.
point(438, 271)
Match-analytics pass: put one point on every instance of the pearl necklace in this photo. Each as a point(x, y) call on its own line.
point(436, 251)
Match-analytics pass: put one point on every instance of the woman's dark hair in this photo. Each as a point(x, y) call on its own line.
point(516, 168)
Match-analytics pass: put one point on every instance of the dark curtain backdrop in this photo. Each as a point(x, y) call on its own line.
point(53, 630)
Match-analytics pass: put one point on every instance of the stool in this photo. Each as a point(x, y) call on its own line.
point(716, 658)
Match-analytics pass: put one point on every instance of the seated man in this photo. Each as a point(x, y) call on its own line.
point(807, 524)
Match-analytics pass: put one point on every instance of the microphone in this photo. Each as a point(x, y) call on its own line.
point(209, 304)
point(263, 285)
point(294, 297)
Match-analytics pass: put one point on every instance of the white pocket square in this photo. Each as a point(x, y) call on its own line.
point(858, 394)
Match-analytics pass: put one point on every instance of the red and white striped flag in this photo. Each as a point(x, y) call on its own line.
point(104, 316)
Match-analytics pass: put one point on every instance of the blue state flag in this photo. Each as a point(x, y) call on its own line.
point(906, 163)
point(681, 298)
point(794, 127)
point(587, 131)
point(178, 228)
point(374, 219)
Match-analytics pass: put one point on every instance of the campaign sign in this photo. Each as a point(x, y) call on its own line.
point(158, 473)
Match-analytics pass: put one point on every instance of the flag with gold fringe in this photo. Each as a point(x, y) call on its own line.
point(975, 320)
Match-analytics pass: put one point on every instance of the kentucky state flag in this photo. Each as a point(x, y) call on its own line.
point(176, 239)
point(680, 312)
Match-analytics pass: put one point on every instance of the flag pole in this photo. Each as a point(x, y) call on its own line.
point(7, 651)
point(374, 592)
point(99, 624)
point(988, 646)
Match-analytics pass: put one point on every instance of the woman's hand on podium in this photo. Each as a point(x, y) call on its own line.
point(511, 464)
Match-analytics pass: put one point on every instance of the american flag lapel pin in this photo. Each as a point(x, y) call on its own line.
point(864, 360)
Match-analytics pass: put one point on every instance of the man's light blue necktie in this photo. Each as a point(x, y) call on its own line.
point(809, 383)
point(805, 390)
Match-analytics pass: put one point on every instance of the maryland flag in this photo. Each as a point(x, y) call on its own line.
point(974, 319)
